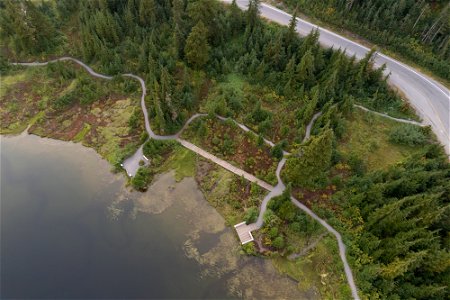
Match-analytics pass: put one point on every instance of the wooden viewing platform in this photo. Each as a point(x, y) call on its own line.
point(244, 232)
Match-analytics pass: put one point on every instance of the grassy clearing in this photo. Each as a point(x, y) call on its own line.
point(82, 133)
point(367, 137)
point(182, 161)
point(234, 81)
point(165, 155)
point(17, 109)
point(14, 128)
point(320, 270)
point(401, 109)
point(10, 80)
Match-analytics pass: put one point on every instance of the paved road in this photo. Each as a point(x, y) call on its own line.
point(430, 99)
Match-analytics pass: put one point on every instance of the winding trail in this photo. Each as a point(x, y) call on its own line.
point(341, 245)
point(428, 97)
point(389, 117)
point(308, 248)
point(308, 128)
point(131, 164)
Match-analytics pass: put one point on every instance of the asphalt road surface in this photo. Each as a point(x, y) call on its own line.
point(430, 99)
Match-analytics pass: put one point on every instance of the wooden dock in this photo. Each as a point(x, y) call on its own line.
point(244, 232)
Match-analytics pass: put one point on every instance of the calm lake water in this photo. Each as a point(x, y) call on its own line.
point(71, 229)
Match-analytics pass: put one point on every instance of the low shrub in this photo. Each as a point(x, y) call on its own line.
point(251, 215)
point(408, 135)
point(142, 178)
point(157, 147)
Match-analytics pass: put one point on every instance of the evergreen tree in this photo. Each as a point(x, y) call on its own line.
point(305, 69)
point(166, 94)
point(312, 161)
point(292, 29)
point(274, 53)
point(179, 25)
point(235, 18)
point(290, 77)
point(204, 11)
point(25, 28)
point(130, 17)
point(147, 12)
point(277, 150)
point(157, 106)
point(253, 15)
point(311, 41)
point(197, 48)
point(65, 8)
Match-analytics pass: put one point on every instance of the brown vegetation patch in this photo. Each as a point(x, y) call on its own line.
point(21, 102)
point(112, 123)
point(229, 142)
point(283, 114)
point(66, 124)
point(203, 169)
point(228, 193)
point(316, 197)
point(204, 89)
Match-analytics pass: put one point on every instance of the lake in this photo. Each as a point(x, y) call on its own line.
point(71, 229)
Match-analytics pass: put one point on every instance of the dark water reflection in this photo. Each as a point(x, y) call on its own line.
point(70, 229)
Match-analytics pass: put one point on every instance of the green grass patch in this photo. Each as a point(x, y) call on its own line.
point(234, 81)
point(82, 133)
point(36, 118)
point(183, 161)
point(216, 188)
point(8, 81)
point(320, 270)
point(18, 127)
point(398, 109)
point(367, 137)
point(142, 178)
point(14, 128)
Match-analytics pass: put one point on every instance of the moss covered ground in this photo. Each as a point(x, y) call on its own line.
point(319, 269)
point(62, 101)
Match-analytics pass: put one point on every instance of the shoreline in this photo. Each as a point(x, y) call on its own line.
point(136, 157)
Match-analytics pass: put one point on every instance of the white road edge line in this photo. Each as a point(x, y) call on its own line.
point(446, 93)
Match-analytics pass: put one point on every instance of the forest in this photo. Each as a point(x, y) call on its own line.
point(209, 57)
point(416, 30)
